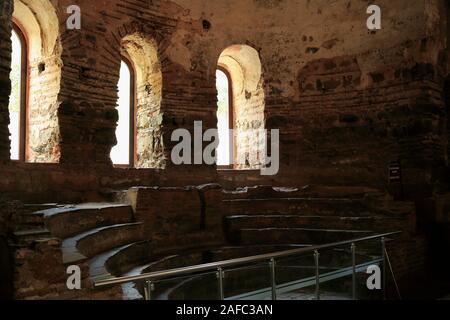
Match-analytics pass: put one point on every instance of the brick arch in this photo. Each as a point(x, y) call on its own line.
point(39, 22)
point(243, 63)
point(140, 45)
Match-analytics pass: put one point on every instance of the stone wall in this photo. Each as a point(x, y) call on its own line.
point(347, 101)
point(361, 123)
point(243, 65)
point(143, 54)
point(38, 20)
point(6, 9)
point(187, 211)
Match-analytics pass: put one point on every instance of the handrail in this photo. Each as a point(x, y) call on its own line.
point(152, 276)
point(388, 260)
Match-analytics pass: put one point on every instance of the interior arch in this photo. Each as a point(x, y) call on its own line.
point(142, 52)
point(243, 64)
point(40, 24)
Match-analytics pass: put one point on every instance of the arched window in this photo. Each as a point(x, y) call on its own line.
point(246, 104)
point(36, 24)
point(123, 153)
point(18, 98)
point(141, 119)
point(224, 118)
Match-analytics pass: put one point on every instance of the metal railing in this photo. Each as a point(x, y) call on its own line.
point(271, 258)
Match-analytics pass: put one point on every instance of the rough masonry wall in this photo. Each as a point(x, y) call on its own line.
point(243, 65)
point(367, 121)
point(249, 126)
point(87, 115)
point(6, 269)
point(347, 101)
point(143, 55)
point(40, 23)
point(6, 10)
point(201, 212)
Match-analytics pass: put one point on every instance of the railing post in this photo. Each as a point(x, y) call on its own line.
point(316, 260)
point(143, 279)
point(220, 280)
point(353, 249)
point(383, 248)
point(148, 290)
point(273, 278)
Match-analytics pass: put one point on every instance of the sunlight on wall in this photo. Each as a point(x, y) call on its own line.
point(120, 154)
point(142, 53)
point(15, 97)
point(39, 22)
point(223, 119)
point(244, 66)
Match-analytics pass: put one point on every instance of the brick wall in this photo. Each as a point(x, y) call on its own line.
point(344, 108)
point(358, 123)
point(186, 211)
point(6, 8)
point(143, 53)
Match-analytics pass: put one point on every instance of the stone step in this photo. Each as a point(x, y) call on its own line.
point(128, 257)
point(134, 291)
point(26, 236)
point(158, 254)
point(28, 220)
point(193, 257)
point(99, 240)
point(261, 192)
point(381, 224)
point(120, 196)
point(170, 244)
point(294, 236)
point(257, 276)
point(70, 220)
point(298, 206)
point(232, 252)
point(33, 207)
point(30, 226)
point(145, 252)
point(31, 243)
point(106, 264)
